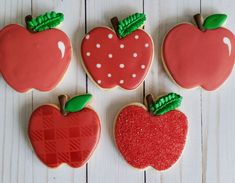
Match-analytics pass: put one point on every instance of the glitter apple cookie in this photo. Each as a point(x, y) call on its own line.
point(119, 57)
point(199, 56)
point(68, 134)
point(153, 137)
point(36, 58)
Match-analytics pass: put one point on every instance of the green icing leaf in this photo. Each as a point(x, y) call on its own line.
point(130, 24)
point(215, 21)
point(166, 103)
point(77, 103)
point(46, 21)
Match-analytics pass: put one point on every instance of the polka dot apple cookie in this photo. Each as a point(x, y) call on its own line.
point(118, 58)
point(155, 137)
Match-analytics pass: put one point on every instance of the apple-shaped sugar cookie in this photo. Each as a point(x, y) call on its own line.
point(119, 57)
point(66, 135)
point(34, 58)
point(199, 56)
point(154, 137)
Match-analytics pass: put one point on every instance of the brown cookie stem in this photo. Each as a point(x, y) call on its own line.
point(150, 101)
point(27, 19)
point(62, 100)
point(199, 21)
point(114, 22)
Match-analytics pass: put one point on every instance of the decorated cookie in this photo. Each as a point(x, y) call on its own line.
point(68, 134)
point(155, 137)
point(119, 57)
point(34, 58)
point(199, 56)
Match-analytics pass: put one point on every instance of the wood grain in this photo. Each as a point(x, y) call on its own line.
point(112, 168)
point(162, 15)
point(218, 115)
point(15, 154)
point(73, 82)
point(209, 153)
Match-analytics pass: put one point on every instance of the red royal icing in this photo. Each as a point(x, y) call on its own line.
point(145, 140)
point(33, 60)
point(112, 62)
point(67, 139)
point(196, 58)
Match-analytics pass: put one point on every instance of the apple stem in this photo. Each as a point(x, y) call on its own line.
point(27, 19)
point(62, 100)
point(114, 22)
point(150, 101)
point(199, 21)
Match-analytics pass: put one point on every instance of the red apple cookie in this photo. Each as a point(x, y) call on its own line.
point(31, 59)
point(153, 138)
point(68, 135)
point(118, 59)
point(202, 56)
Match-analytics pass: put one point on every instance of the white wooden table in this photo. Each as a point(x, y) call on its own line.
point(209, 156)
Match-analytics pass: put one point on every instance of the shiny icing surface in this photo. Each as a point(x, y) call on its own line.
point(195, 58)
point(33, 60)
point(57, 139)
point(112, 62)
point(145, 140)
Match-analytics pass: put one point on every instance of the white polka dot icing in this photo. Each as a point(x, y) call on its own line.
point(98, 65)
point(88, 54)
point(121, 81)
point(120, 61)
point(121, 66)
point(87, 36)
point(142, 66)
point(135, 55)
point(110, 36)
point(110, 55)
point(122, 46)
point(133, 75)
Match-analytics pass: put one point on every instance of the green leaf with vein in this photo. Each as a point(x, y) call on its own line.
point(130, 24)
point(46, 21)
point(215, 21)
point(165, 104)
point(77, 103)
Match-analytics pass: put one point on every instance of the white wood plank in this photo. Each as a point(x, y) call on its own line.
point(218, 114)
point(161, 16)
point(73, 82)
point(107, 165)
point(18, 162)
point(14, 111)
